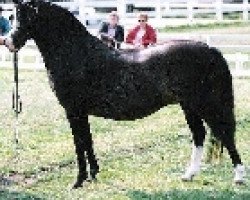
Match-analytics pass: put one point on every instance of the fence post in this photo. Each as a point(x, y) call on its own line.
point(121, 9)
point(82, 14)
point(158, 10)
point(208, 39)
point(190, 7)
point(245, 10)
point(219, 11)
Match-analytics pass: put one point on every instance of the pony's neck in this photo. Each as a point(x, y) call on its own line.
point(62, 39)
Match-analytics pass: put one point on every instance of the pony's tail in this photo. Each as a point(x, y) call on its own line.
point(221, 78)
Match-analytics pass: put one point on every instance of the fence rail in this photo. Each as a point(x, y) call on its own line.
point(162, 9)
point(89, 10)
point(237, 54)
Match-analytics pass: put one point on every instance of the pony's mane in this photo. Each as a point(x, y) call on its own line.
point(61, 12)
point(65, 29)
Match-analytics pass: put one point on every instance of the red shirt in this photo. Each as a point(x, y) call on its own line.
point(148, 38)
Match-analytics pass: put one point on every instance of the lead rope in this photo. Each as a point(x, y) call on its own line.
point(16, 102)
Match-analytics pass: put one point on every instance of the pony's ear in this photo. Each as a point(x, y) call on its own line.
point(16, 1)
point(34, 2)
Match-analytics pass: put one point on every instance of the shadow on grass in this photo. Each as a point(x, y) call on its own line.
point(9, 195)
point(189, 195)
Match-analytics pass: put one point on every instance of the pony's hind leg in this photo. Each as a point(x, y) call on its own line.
point(198, 132)
point(224, 129)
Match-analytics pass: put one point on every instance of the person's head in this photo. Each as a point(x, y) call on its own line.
point(113, 18)
point(142, 20)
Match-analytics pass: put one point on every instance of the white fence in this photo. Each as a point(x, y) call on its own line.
point(236, 54)
point(235, 48)
point(28, 57)
point(160, 12)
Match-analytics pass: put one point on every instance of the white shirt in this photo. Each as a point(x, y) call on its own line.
point(111, 32)
point(138, 37)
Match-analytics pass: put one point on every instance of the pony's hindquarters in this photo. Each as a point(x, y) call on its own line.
point(218, 112)
point(209, 98)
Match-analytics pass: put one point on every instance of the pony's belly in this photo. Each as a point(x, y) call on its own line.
point(125, 115)
point(130, 110)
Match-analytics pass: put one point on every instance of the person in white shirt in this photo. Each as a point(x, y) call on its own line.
point(111, 32)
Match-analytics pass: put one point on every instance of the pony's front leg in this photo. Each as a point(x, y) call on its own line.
point(83, 145)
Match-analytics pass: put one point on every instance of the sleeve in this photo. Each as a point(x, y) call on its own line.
point(102, 27)
point(130, 37)
point(152, 38)
point(120, 34)
point(103, 31)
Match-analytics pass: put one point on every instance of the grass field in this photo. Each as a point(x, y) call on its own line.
point(139, 160)
point(233, 26)
point(228, 27)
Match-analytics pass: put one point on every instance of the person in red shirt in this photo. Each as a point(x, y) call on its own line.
point(143, 34)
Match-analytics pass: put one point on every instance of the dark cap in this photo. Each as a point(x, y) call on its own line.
point(1, 8)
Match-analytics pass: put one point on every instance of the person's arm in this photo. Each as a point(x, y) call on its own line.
point(7, 42)
point(130, 37)
point(1, 41)
point(103, 32)
point(151, 39)
point(4, 41)
point(120, 34)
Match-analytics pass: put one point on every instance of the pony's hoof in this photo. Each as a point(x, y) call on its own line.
point(239, 175)
point(93, 173)
point(239, 182)
point(91, 180)
point(186, 178)
point(77, 185)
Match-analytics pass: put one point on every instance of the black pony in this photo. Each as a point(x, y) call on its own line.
point(90, 79)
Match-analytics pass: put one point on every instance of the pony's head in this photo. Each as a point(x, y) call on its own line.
point(26, 14)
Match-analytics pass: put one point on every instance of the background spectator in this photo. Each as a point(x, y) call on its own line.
point(143, 34)
point(111, 32)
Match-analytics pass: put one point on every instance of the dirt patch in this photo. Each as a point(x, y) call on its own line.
point(30, 178)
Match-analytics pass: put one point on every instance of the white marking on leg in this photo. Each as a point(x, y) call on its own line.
point(195, 163)
point(239, 175)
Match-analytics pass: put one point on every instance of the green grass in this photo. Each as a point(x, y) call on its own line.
point(206, 26)
point(139, 160)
